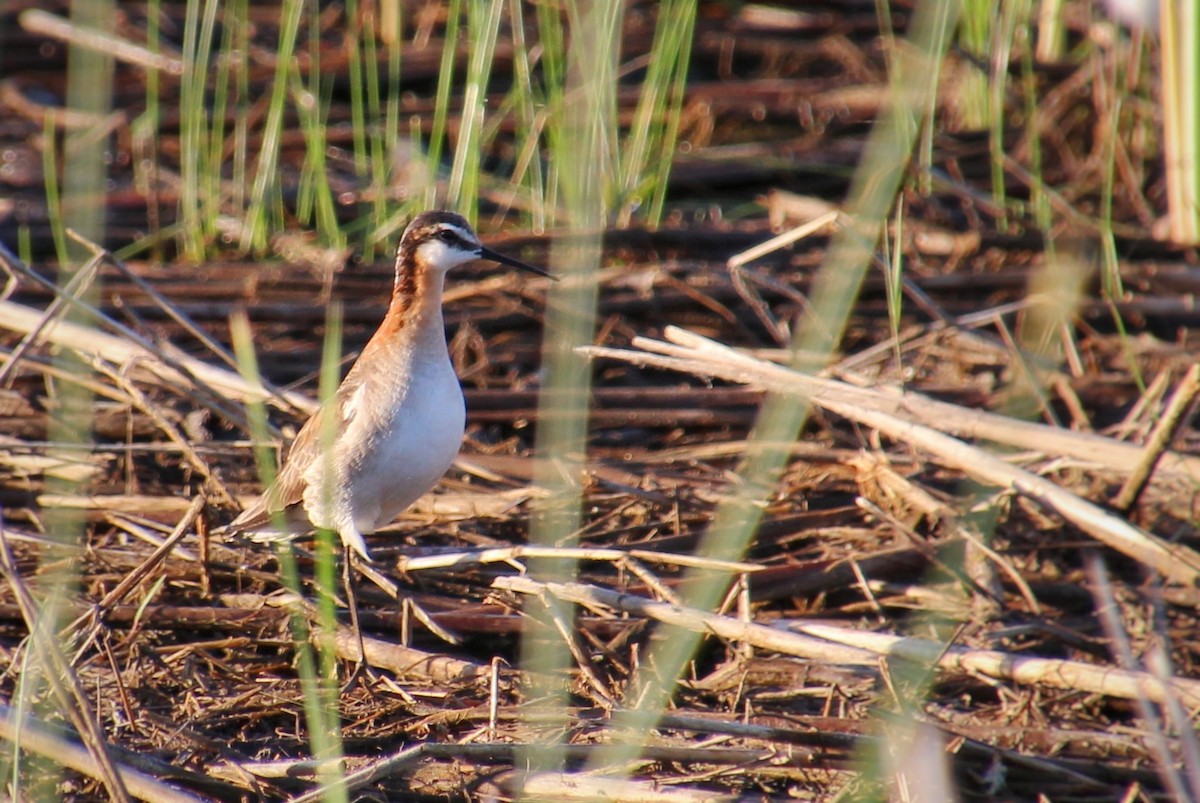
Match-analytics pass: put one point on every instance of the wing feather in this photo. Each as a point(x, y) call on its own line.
point(287, 492)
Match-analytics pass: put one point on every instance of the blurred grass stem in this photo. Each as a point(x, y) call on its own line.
point(1180, 41)
point(582, 137)
point(318, 675)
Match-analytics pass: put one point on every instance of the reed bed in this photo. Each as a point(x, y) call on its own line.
point(975, 572)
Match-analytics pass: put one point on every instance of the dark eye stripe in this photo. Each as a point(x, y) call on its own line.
point(455, 238)
point(451, 237)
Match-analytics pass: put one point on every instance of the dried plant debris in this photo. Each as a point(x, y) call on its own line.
point(976, 573)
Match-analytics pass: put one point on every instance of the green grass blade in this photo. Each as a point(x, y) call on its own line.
point(483, 26)
point(441, 108)
point(582, 135)
point(527, 170)
point(54, 206)
point(321, 689)
point(645, 159)
point(265, 201)
point(681, 46)
point(318, 676)
point(358, 101)
point(382, 136)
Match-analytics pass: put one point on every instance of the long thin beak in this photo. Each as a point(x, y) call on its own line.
point(495, 256)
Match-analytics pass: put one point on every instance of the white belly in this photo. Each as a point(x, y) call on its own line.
point(414, 449)
point(395, 447)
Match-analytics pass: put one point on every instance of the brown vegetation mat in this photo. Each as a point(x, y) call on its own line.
point(936, 584)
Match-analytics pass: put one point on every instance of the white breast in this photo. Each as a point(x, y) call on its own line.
point(401, 430)
point(414, 449)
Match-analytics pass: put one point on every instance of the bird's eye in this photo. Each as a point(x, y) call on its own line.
point(447, 236)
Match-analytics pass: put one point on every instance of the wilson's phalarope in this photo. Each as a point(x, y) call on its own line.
point(398, 416)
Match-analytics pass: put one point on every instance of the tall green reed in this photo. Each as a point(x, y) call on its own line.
point(382, 121)
point(265, 210)
point(223, 175)
point(315, 204)
point(76, 188)
point(442, 108)
point(1119, 125)
point(316, 669)
point(530, 119)
point(642, 169)
point(581, 133)
point(483, 26)
point(355, 38)
point(198, 171)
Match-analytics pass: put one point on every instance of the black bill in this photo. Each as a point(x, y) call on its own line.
point(495, 256)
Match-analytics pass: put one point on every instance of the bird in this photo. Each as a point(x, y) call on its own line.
point(395, 423)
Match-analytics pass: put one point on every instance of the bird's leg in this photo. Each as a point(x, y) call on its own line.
point(360, 668)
